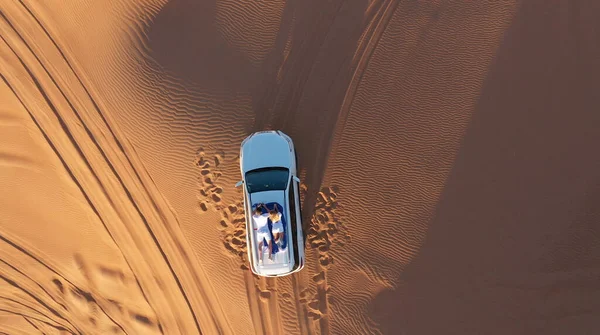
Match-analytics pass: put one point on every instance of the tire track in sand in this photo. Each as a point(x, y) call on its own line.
point(261, 292)
point(377, 17)
point(117, 186)
point(301, 282)
point(285, 94)
point(323, 223)
point(380, 14)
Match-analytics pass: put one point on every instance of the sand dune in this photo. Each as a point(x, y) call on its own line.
point(448, 153)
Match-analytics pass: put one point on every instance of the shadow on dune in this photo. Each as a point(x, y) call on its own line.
point(300, 93)
point(184, 40)
point(315, 76)
point(514, 246)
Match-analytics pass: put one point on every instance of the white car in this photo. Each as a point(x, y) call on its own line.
point(268, 167)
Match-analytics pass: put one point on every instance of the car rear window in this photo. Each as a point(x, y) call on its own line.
point(267, 179)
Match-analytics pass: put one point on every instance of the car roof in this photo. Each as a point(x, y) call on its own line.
point(282, 261)
point(265, 149)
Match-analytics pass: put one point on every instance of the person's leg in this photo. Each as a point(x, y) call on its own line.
point(278, 236)
point(278, 240)
point(260, 251)
point(270, 249)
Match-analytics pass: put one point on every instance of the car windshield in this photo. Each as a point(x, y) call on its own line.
point(267, 179)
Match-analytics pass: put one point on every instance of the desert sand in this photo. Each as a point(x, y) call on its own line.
point(449, 155)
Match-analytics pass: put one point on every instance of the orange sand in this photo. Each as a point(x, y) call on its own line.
point(448, 152)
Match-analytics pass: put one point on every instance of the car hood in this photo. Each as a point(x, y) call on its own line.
point(267, 149)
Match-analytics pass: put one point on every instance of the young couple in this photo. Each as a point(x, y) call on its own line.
point(262, 228)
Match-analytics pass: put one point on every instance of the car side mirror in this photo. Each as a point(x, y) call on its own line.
point(239, 183)
point(297, 179)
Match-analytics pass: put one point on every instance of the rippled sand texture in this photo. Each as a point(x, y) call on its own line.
point(448, 152)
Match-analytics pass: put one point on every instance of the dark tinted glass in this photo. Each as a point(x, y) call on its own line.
point(267, 179)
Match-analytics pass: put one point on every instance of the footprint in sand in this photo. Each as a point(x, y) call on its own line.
point(233, 220)
point(210, 192)
point(319, 277)
point(318, 305)
point(324, 231)
point(325, 228)
point(303, 295)
point(233, 226)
